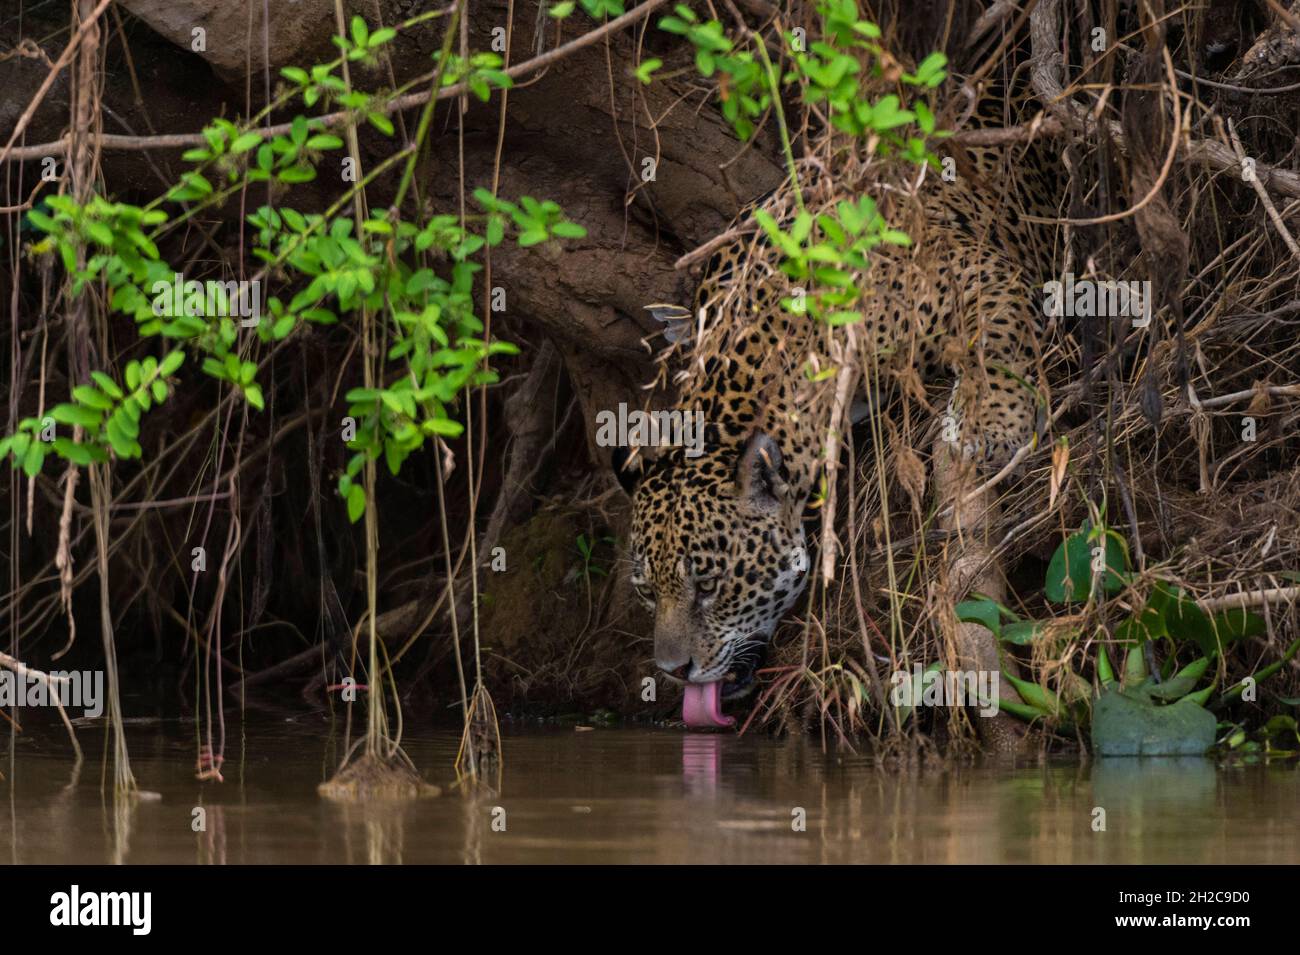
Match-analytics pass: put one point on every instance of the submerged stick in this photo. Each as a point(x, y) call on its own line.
point(23, 670)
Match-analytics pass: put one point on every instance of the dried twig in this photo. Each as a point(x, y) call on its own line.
point(1263, 194)
point(188, 140)
point(23, 670)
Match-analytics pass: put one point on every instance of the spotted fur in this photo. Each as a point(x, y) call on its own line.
point(717, 546)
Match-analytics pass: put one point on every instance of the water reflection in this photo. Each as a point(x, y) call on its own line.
point(210, 840)
point(639, 796)
point(373, 833)
point(701, 763)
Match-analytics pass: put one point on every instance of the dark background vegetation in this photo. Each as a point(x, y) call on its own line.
point(560, 633)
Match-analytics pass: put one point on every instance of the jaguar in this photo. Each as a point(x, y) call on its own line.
point(717, 546)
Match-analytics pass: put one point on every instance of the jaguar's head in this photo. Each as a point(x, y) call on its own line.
point(717, 553)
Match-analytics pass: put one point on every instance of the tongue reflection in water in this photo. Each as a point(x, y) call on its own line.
point(701, 706)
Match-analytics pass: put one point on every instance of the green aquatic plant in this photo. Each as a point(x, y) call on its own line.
point(1143, 708)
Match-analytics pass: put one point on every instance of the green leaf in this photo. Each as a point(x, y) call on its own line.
point(924, 118)
point(282, 327)
point(1135, 666)
point(356, 502)
point(1238, 623)
point(296, 174)
point(245, 142)
point(324, 141)
point(393, 457)
point(1022, 632)
point(445, 427)
point(76, 453)
point(1105, 671)
point(1045, 701)
point(128, 419)
point(360, 32)
point(41, 221)
point(1182, 683)
point(982, 611)
point(568, 230)
point(1069, 574)
point(197, 183)
point(646, 69)
point(100, 233)
point(1146, 624)
point(322, 316)
point(1021, 711)
point(34, 458)
point(1170, 611)
point(1201, 697)
point(76, 415)
point(170, 363)
point(92, 397)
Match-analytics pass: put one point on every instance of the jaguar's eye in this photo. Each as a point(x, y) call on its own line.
point(706, 585)
point(644, 592)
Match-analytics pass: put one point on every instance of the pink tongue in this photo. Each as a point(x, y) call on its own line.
point(701, 705)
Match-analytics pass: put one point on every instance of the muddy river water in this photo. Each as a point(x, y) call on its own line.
point(633, 795)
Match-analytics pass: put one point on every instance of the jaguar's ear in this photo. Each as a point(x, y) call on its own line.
point(628, 469)
point(760, 473)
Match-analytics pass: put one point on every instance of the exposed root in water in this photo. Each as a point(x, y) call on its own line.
point(480, 743)
point(372, 777)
